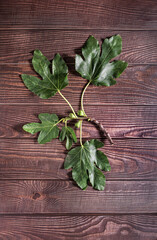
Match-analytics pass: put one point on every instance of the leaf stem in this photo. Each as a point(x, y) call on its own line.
point(81, 133)
point(82, 108)
point(59, 121)
point(68, 103)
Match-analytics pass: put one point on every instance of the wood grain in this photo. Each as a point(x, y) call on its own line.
point(26, 159)
point(113, 227)
point(38, 199)
point(79, 14)
point(64, 197)
point(17, 46)
point(137, 85)
point(120, 121)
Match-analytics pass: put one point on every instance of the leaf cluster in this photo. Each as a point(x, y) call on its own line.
point(94, 65)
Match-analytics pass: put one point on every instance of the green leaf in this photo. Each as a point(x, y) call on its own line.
point(69, 134)
point(51, 83)
point(69, 142)
point(95, 67)
point(72, 134)
point(84, 161)
point(48, 128)
point(62, 134)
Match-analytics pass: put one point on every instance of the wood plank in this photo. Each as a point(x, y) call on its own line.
point(112, 227)
point(79, 14)
point(120, 121)
point(137, 85)
point(26, 159)
point(39, 196)
point(17, 46)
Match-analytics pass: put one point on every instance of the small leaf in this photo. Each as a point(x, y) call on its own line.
point(72, 134)
point(69, 142)
point(84, 161)
point(69, 134)
point(48, 129)
point(62, 134)
point(95, 67)
point(78, 124)
point(51, 83)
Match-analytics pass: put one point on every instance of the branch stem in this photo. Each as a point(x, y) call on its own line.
point(85, 117)
point(102, 129)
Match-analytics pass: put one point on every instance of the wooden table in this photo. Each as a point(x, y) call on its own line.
point(38, 199)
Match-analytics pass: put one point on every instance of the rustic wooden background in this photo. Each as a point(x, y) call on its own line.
point(38, 199)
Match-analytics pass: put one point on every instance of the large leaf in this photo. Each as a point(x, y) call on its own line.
point(51, 83)
point(84, 161)
point(48, 128)
point(96, 67)
point(69, 134)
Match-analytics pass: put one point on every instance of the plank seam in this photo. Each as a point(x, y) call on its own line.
point(87, 104)
point(9, 27)
point(73, 214)
point(85, 138)
point(26, 62)
point(71, 180)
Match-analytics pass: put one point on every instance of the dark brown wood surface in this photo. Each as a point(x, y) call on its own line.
point(25, 159)
point(137, 85)
point(132, 227)
point(38, 199)
point(138, 46)
point(137, 122)
point(60, 197)
point(79, 14)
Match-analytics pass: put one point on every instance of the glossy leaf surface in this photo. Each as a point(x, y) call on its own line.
point(85, 162)
point(69, 134)
point(51, 83)
point(95, 66)
point(47, 128)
